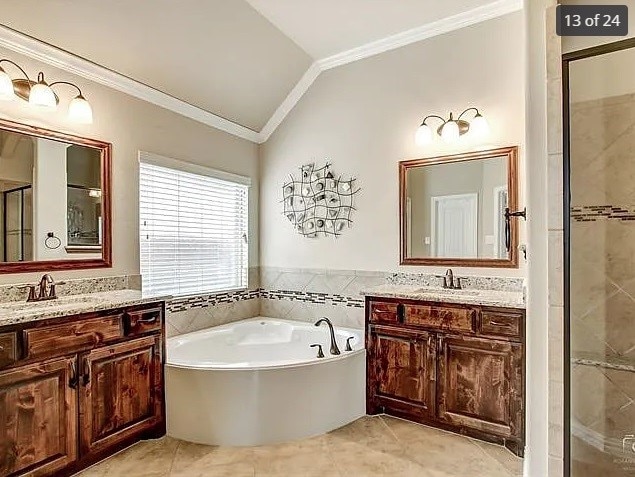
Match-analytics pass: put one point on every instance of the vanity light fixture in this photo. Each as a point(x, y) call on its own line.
point(452, 129)
point(40, 94)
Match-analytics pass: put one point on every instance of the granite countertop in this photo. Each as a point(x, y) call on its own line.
point(506, 299)
point(23, 312)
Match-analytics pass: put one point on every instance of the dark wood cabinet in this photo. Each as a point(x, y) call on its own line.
point(120, 392)
point(78, 389)
point(403, 366)
point(457, 367)
point(38, 418)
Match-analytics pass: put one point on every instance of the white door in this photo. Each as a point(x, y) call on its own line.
point(454, 226)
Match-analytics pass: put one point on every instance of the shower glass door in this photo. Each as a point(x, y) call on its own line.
point(600, 260)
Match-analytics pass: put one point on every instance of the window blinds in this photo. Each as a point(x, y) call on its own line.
point(193, 231)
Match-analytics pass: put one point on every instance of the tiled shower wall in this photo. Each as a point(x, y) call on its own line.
point(603, 273)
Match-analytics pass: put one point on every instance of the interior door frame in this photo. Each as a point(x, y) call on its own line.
point(434, 202)
point(567, 58)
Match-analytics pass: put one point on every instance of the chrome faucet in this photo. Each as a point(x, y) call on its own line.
point(43, 294)
point(448, 281)
point(334, 349)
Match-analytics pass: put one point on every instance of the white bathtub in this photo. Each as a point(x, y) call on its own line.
point(258, 381)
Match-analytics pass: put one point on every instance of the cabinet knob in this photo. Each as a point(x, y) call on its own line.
point(348, 344)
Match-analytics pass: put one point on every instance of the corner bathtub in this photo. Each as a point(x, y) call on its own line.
point(257, 382)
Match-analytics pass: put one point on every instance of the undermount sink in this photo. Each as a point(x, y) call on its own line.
point(447, 291)
point(34, 306)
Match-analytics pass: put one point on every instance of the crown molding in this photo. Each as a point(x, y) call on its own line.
point(291, 100)
point(480, 14)
point(51, 55)
point(445, 25)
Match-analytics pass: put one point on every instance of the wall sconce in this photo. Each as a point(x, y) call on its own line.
point(452, 129)
point(40, 94)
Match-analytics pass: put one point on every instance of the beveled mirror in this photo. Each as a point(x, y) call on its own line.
point(453, 209)
point(54, 200)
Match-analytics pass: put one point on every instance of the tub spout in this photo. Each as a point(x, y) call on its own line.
point(334, 349)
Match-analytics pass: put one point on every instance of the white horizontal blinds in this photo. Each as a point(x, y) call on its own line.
point(193, 232)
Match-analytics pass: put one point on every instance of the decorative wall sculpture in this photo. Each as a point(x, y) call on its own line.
point(319, 203)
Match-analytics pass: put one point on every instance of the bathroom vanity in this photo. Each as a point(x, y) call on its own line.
point(79, 380)
point(453, 360)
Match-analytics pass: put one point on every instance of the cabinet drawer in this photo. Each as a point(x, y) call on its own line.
point(381, 312)
point(71, 337)
point(441, 317)
point(143, 321)
point(501, 323)
point(8, 349)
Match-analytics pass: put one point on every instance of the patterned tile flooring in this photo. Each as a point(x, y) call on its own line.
point(371, 446)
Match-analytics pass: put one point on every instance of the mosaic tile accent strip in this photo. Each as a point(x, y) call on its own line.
point(604, 364)
point(212, 299)
point(78, 286)
point(593, 213)
point(467, 282)
point(313, 297)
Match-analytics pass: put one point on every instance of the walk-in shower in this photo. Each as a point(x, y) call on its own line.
point(600, 260)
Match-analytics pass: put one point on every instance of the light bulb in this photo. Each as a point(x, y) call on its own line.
point(42, 95)
point(479, 126)
point(6, 86)
point(79, 111)
point(423, 135)
point(450, 131)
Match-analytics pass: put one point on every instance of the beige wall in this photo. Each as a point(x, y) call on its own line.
point(362, 117)
point(132, 125)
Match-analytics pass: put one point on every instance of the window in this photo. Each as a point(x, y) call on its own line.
point(193, 228)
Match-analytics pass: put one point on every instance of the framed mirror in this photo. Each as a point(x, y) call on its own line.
point(452, 209)
point(54, 200)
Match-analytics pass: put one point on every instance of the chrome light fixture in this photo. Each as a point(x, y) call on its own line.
point(40, 94)
point(452, 129)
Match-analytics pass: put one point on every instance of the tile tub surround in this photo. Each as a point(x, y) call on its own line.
point(497, 298)
point(309, 294)
point(76, 286)
point(16, 312)
point(379, 446)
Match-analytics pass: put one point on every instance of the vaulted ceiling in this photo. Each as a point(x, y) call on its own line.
point(237, 59)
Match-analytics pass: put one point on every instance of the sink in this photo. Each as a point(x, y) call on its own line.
point(61, 303)
point(447, 291)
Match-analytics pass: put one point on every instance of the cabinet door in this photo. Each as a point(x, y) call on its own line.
point(403, 370)
point(38, 418)
point(480, 385)
point(121, 392)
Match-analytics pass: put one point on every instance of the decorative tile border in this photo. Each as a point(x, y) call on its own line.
point(604, 364)
point(313, 297)
point(204, 301)
point(593, 213)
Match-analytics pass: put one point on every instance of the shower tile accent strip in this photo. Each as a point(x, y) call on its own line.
point(604, 364)
point(593, 213)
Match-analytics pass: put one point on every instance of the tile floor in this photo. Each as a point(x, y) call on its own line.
point(371, 446)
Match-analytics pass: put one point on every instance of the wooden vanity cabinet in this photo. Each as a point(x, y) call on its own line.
point(457, 367)
point(80, 389)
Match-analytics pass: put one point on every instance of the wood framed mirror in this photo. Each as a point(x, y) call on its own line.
point(453, 209)
point(55, 200)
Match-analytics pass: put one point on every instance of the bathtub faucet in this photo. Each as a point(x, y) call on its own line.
point(334, 348)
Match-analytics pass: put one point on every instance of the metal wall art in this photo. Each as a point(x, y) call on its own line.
point(319, 203)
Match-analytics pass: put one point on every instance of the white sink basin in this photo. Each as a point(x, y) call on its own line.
point(447, 291)
point(62, 303)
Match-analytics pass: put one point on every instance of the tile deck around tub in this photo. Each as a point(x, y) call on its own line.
point(379, 446)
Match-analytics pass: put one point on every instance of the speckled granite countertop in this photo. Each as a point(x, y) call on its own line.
point(505, 299)
point(22, 312)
